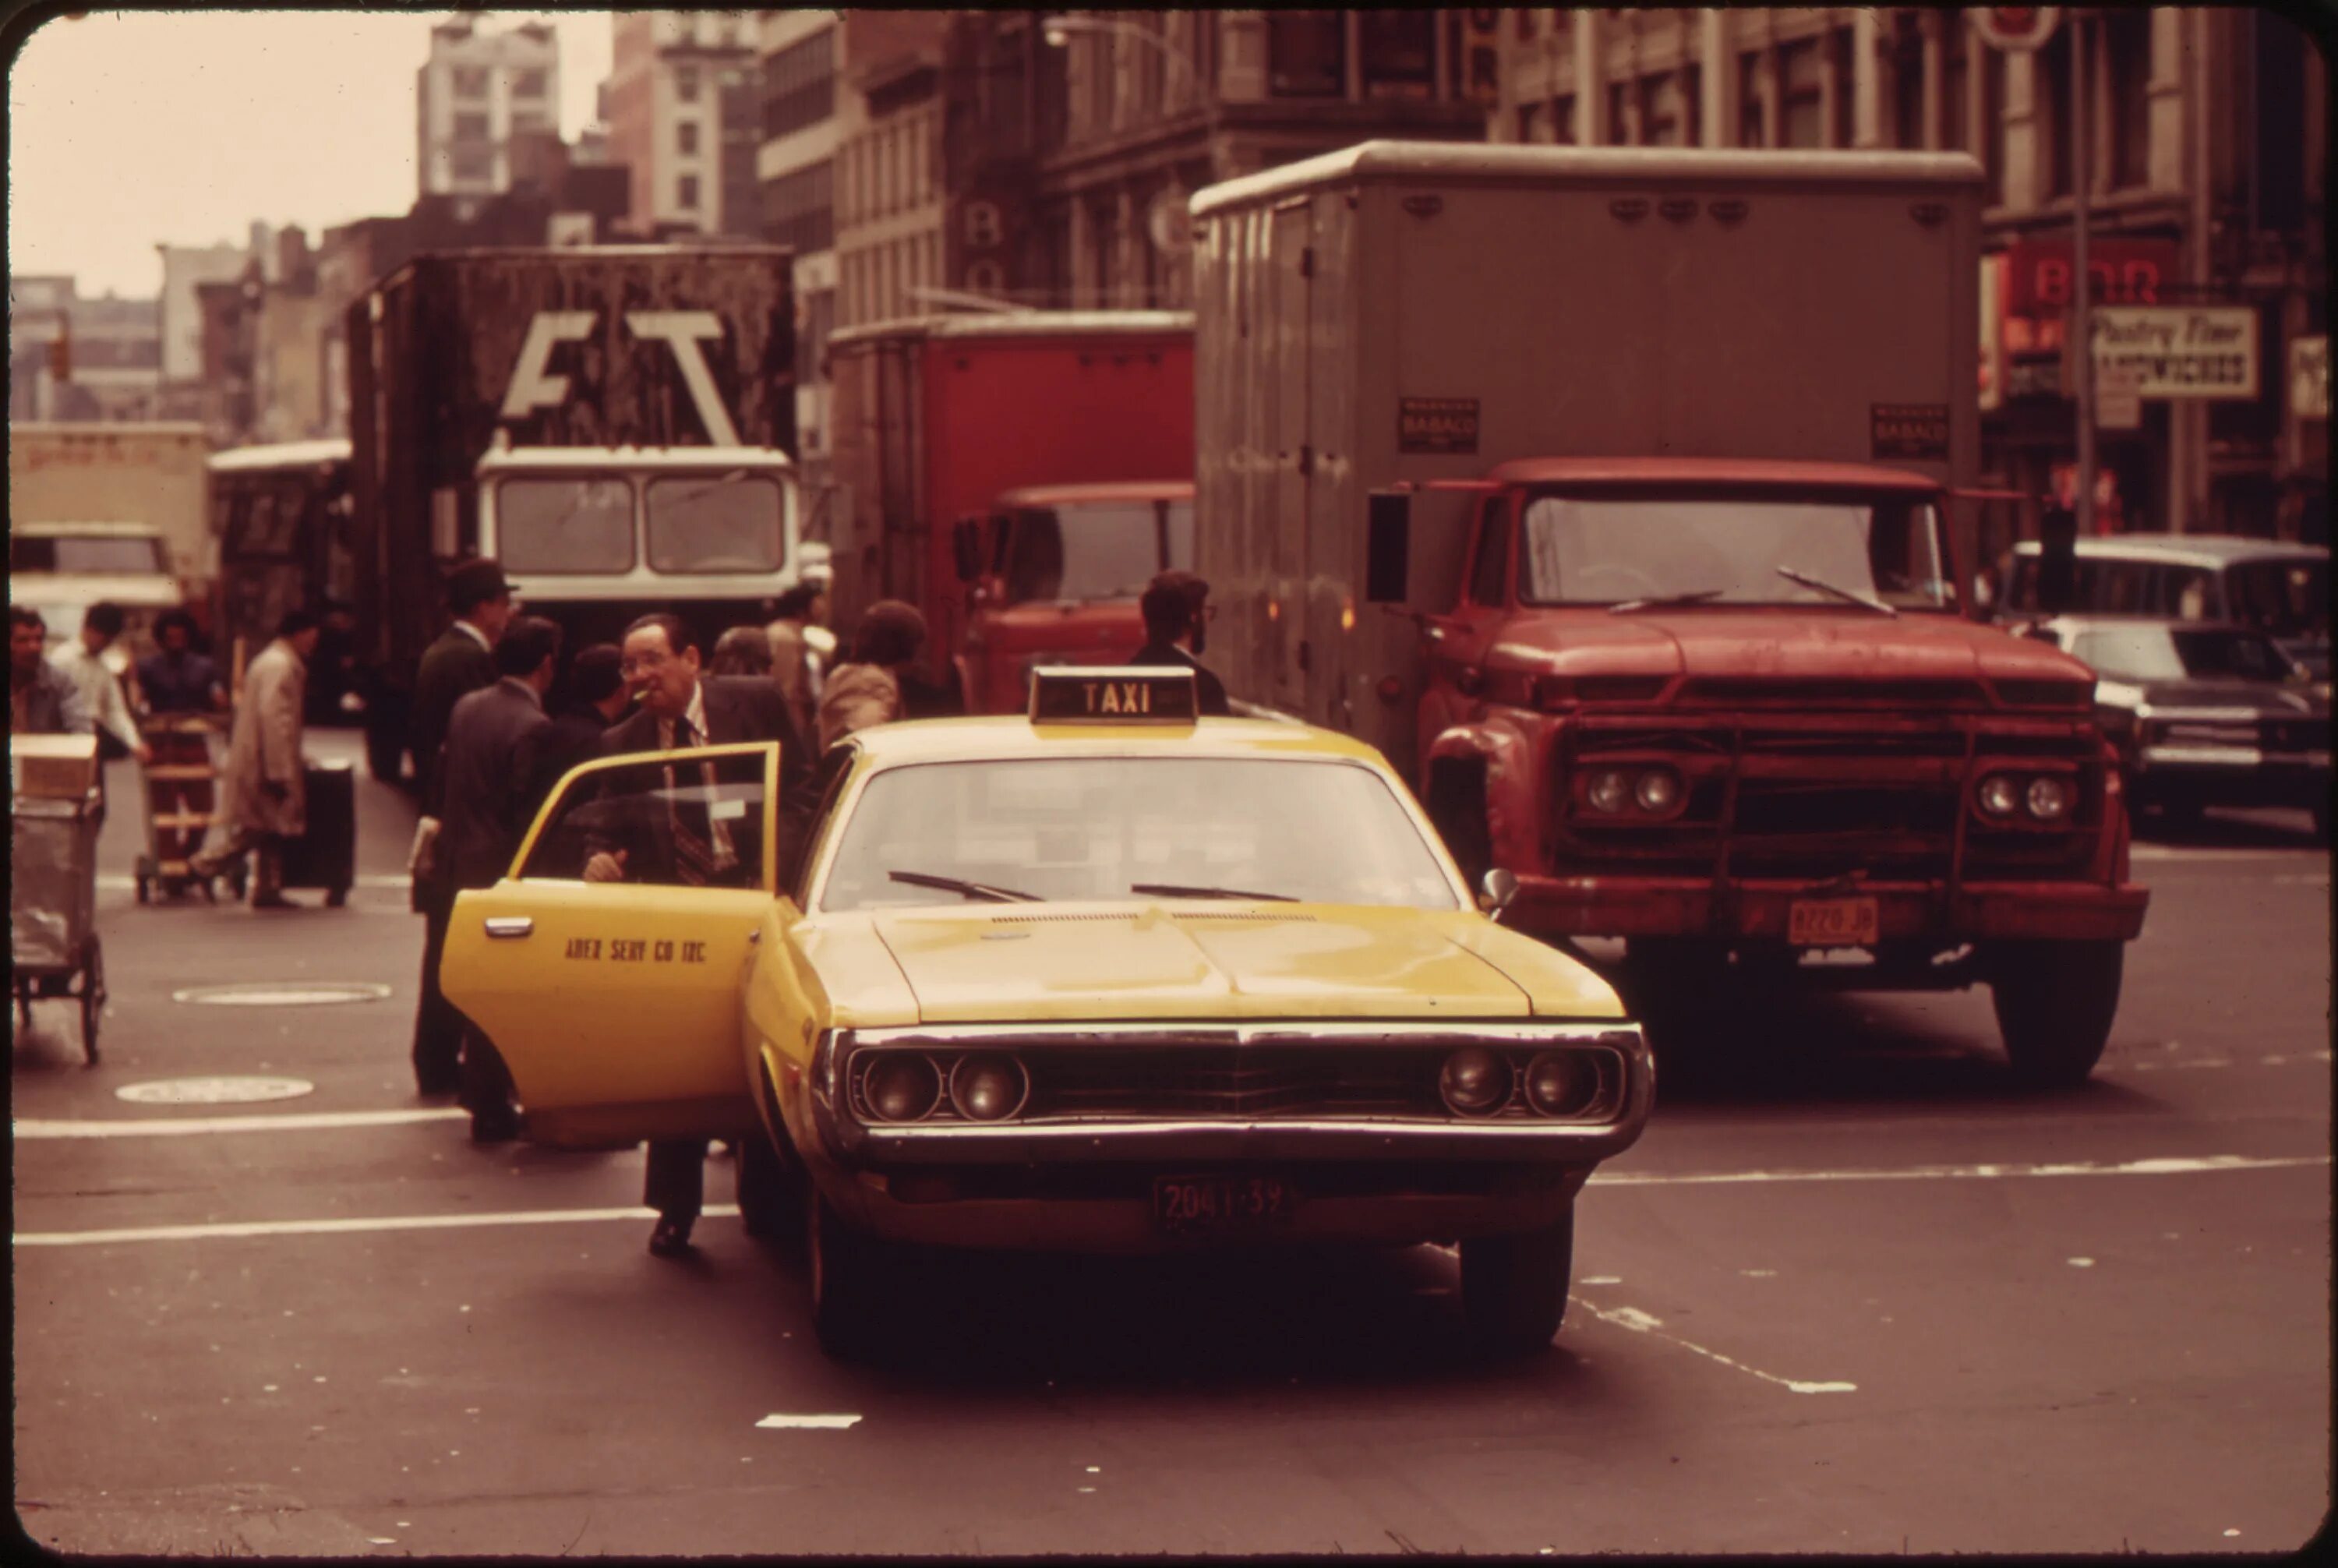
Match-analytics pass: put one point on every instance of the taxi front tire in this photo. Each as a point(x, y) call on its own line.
point(849, 1272)
point(1514, 1288)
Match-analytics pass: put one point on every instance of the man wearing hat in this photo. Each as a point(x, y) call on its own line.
point(1175, 607)
point(460, 663)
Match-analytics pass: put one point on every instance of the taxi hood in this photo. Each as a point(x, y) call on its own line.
point(1064, 963)
point(1797, 643)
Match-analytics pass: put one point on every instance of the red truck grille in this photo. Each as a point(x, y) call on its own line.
point(1820, 794)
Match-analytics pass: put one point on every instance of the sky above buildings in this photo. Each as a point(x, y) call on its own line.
point(133, 129)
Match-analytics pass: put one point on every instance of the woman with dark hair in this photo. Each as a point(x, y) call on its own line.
point(175, 678)
point(742, 650)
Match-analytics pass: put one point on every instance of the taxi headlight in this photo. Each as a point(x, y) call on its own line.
point(988, 1088)
point(2048, 797)
point(1561, 1083)
point(1475, 1081)
point(2000, 795)
point(1658, 791)
point(901, 1088)
point(1608, 791)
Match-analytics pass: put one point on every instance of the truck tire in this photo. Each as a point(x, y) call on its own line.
point(768, 1204)
point(2055, 1002)
point(851, 1278)
point(1514, 1288)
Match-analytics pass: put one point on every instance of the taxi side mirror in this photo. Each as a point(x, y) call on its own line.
point(1497, 891)
point(1388, 547)
point(966, 546)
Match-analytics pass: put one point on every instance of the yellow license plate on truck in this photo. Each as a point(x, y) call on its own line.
point(1830, 922)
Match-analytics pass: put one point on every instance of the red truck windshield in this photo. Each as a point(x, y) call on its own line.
point(1094, 550)
point(1728, 549)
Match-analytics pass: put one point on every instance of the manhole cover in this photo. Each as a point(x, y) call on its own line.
point(213, 1090)
point(288, 993)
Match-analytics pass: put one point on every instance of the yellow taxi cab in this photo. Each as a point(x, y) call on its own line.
point(1108, 977)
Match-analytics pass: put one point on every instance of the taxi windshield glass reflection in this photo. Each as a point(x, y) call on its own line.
point(1081, 827)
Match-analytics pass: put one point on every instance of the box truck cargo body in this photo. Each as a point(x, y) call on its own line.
point(935, 421)
point(594, 353)
point(1614, 493)
point(129, 480)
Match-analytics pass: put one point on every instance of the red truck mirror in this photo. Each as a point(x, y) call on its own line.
point(1388, 547)
point(966, 545)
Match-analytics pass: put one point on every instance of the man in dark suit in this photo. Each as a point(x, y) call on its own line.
point(488, 783)
point(680, 708)
point(597, 698)
point(461, 661)
point(1175, 607)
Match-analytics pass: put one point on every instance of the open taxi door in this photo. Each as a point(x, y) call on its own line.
point(616, 1004)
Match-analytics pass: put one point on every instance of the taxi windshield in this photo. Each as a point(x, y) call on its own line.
point(1096, 828)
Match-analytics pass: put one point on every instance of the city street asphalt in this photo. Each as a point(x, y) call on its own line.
point(1851, 1292)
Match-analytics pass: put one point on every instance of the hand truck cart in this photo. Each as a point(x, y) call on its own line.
point(53, 908)
point(179, 792)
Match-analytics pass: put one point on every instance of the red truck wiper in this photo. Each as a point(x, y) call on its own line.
point(1848, 595)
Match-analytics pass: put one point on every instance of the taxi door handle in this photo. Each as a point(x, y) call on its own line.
point(508, 926)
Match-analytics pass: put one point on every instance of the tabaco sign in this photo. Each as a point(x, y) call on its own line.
point(1437, 425)
point(1910, 430)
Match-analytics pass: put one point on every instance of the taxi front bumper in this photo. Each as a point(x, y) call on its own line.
point(1625, 905)
point(1087, 1184)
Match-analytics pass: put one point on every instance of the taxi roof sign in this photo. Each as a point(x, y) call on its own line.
point(1115, 694)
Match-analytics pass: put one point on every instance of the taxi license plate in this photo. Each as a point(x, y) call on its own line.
point(1190, 1203)
point(1830, 922)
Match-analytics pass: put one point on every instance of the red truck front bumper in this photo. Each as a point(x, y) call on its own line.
point(1758, 910)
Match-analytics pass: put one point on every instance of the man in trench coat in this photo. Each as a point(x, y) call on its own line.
point(265, 802)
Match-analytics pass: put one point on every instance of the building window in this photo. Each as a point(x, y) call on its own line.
point(1749, 102)
point(2127, 53)
point(1801, 120)
point(470, 81)
point(1307, 53)
point(1843, 55)
point(473, 165)
point(529, 83)
point(2051, 84)
point(800, 208)
point(1662, 114)
point(1529, 123)
point(1908, 91)
point(799, 84)
point(1524, 21)
point(685, 84)
point(1398, 50)
point(1991, 127)
point(685, 193)
point(471, 126)
point(1562, 119)
point(1956, 133)
point(1619, 115)
point(685, 137)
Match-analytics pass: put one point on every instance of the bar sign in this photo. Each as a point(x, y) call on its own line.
point(1910, 430)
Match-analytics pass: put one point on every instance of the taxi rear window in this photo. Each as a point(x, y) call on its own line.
point(1095, 828)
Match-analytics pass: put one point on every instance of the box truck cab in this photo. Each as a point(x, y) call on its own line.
point(1655, 457)
point(597, 537)
point(972, 451)
point(1053, 575)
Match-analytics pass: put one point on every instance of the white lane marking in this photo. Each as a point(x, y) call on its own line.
point(337, 1227)
point(2163, 1166)
point(816, 1422)
point(1601, 1280)
point(1640, 1322)
point(2185, 852)
point(2080, 1262)
point(116, 884)
point(301, 1122)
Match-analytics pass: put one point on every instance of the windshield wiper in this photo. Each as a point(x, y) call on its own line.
point(1667, 601)
point(959, 884)
point(1848, 595)
point(1176, 890)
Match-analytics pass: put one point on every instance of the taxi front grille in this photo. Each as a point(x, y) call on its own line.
point(1211, 1082)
